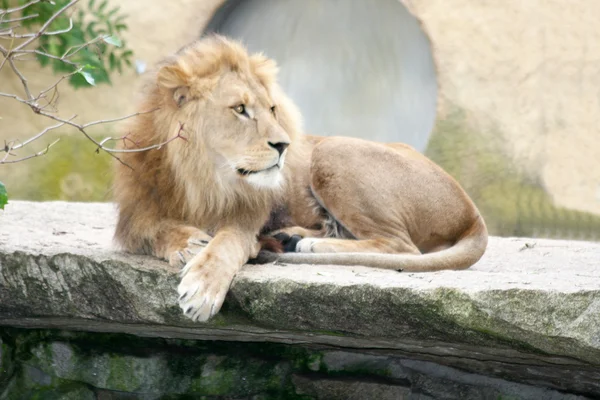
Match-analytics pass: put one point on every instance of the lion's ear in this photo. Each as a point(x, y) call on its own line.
point(181, 95)
point(173, 76)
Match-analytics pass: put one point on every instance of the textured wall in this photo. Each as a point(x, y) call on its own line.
point(528, 71)
point(526, 74)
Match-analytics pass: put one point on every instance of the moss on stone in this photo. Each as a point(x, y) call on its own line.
point(513, 201)
point(33, 384)
point(76, 365)
point(7, 365)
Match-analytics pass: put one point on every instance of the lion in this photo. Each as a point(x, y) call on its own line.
point(236, 165)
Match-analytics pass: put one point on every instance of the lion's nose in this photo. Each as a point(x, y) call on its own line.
point(280, 147)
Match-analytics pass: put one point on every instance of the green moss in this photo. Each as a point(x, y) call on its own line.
point(122, 374)
point(31, 383)
point(512, 201)
point(477, 325)
point(7, 365)
point(70, 171)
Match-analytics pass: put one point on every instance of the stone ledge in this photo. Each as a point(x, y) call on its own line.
point(528, 311)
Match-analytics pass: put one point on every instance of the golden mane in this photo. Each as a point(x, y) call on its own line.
point(181, 181)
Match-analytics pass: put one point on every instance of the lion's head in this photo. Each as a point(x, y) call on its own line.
point(229, 107)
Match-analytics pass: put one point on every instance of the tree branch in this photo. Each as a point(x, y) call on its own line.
point(12, 54)
point(46, 25)
point(10, 21)
point(20, 8)
point(21, 77)
point(39, 153)
point(39, 135)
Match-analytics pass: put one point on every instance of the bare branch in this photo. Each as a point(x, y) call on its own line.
point(39, 153)
point(5, 54)
point(81, 128)
point(55, 84)
point(13, 10)
point(13, 96)
point(47, 24)
point(21, 77)
point(138, 149)
point(80, 47)
point(108, 121)
point(39, 135)
point(42, 53)
point(10, 21)
point(37, 34)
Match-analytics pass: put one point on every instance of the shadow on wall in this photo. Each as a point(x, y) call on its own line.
point(512, 200)
point(346, 77)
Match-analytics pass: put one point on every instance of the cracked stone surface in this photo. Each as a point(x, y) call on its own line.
point(528, 311)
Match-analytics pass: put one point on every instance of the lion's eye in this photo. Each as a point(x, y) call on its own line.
point(240, 109)
point(273, 110)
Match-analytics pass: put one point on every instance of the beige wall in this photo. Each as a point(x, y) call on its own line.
point(530, 70)
point(525, 69)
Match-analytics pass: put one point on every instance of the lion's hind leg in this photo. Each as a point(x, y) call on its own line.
point(333, 245)
point(290, 236)
point(353, 182)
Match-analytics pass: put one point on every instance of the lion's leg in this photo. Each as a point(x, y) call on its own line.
point(179, 243)
point(332, 245)
point(299, 231)
point(290, 236)
point(355, 186)
point(207, 276)
point(143, 232)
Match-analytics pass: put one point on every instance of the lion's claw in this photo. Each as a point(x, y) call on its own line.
point(182, 257)
point(203, 287)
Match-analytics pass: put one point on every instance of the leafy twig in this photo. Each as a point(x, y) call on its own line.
point(67, 59)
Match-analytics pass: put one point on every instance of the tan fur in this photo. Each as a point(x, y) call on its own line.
point(172, 199)
point(390, 199)
point(191, 203)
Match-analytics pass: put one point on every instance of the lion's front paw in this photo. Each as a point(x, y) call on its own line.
point(203, 287)
point(194, 246)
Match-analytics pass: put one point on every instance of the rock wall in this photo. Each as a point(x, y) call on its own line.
point(524, 322)
point(79, 366)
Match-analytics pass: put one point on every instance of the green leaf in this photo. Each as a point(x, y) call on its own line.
point(112, 61)
point(91, 4)
point(90, 30)
point(113, 12)
point(3, 196)
point(120, 18)
point(115, 41)
point(102, 6)
point(88, 77)
point(43, 60)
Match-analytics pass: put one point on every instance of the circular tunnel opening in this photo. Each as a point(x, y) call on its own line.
point(355, 68)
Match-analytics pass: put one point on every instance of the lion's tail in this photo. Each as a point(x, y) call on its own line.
point(465, 252)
